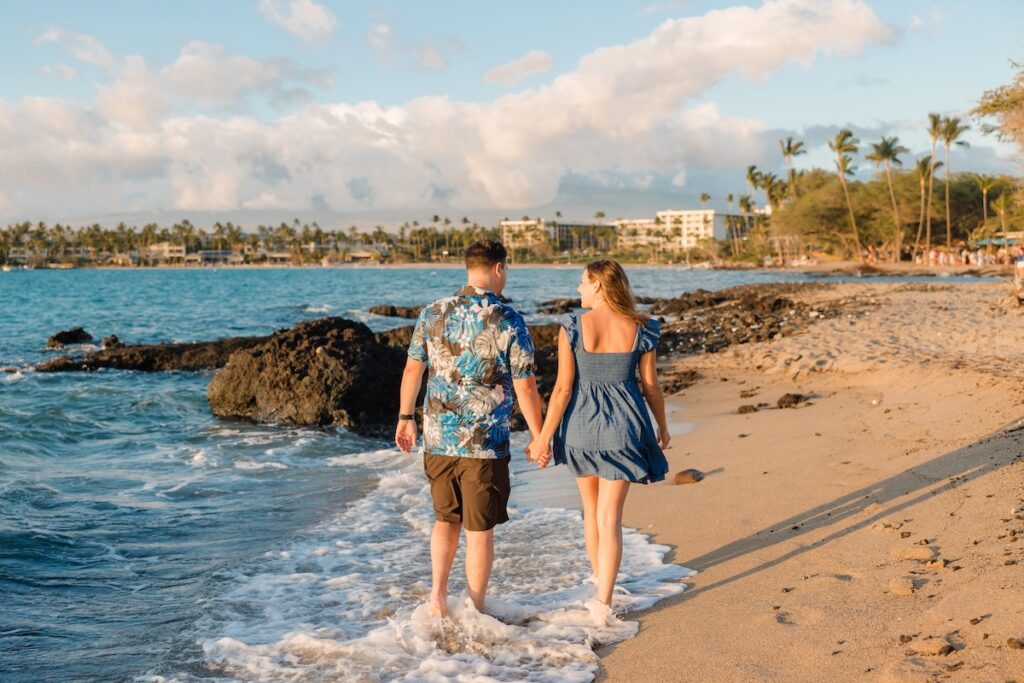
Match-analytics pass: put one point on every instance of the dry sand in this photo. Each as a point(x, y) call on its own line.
point(870, 534)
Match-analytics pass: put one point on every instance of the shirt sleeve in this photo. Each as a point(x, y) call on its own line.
point(520, 352)
point(418, 343)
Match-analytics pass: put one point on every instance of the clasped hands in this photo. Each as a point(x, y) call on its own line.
point(538, 451)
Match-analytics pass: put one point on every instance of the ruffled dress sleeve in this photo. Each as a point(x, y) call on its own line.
point(649, 335)
point(572, 330)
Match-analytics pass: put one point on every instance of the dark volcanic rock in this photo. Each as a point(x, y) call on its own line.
point(396, 311)
point(688, 477)
point(558, 306)
point(154, 357)
point(674, 381)
point(744, 409)
point(791, 400)
point(76, 335)
point(398, 338)
point(112, 342)
point(711, 321)
point(320, 372)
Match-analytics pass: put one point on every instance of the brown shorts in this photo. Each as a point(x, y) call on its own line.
point(468, 491)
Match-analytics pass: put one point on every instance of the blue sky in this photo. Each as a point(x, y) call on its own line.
point(365, 112)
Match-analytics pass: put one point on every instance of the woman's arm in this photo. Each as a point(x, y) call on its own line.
point(652, 392)
point(562, 392)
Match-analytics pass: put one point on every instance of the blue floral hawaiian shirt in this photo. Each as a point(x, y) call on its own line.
point(474, 346)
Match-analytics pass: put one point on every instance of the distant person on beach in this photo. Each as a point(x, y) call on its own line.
point(479, 351)
point(598, 419)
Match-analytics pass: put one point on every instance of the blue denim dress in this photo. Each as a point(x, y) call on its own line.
point(606, 430)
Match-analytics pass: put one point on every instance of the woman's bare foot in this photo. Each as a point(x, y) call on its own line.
point(438, 605)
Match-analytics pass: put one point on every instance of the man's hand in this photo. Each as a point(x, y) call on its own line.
point(405, 435)
point(539, 453)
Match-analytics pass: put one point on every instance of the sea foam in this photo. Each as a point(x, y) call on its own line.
point(346, 601)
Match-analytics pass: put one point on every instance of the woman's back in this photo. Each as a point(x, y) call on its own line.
point(607, 332)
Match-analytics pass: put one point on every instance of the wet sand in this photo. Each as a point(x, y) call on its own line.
point(871, 533)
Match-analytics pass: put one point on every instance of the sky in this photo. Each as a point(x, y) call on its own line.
point(378, 112)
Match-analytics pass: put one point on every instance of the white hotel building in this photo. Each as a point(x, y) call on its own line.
point(675, 230)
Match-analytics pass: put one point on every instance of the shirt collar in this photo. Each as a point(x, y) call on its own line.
point(470, 290)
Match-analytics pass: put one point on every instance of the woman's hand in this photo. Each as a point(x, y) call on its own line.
point(539, 451)
point(664, 437)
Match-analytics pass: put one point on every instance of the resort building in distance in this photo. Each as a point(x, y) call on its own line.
point(671, 230)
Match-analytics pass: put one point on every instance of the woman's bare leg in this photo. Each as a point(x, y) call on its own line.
point(611, 496)
point(588, 494)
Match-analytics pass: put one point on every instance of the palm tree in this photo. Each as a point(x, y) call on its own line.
point(843, 145)
point(886, 153)
point(704, 197)
point(729, 199)
point(1001, 205)
point(952, 130)
point(791, 148)
point(935, 126)
point(753, 179)
point(986, 183)
point(923, 170)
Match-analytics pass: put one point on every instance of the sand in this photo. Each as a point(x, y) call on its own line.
point(869, 534)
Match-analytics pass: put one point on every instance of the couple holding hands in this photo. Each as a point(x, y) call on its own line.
point(598, 423)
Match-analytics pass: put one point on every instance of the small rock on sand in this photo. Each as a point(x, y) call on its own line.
point(744, 409)
point(791, 400)
point(1015, 643)
point(689, 477)
point(901, 586)
point(932, 647)
point(921, 553)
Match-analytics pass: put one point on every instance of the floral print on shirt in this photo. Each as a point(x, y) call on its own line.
point(474, 346)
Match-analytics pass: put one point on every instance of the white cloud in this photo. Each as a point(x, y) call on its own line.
point(380, 39)
point(431, 58)
point(82, 47)
point(533, 62)
point(60, 71)
point(304, 18)
point(623, 110)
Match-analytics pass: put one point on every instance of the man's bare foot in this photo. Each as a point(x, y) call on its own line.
point(438, 605)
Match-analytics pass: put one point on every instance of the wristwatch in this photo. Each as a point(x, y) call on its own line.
point(406, 417)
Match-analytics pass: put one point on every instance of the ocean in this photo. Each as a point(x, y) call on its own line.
point(142, 539)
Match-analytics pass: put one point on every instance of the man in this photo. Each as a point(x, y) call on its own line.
point(478, 350)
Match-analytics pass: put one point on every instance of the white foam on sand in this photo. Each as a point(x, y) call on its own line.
point(346, 602)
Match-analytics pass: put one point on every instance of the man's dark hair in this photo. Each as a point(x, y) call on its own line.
point(483, 254)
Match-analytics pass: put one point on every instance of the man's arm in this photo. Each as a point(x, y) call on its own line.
point(412, 376)
point(529, 403)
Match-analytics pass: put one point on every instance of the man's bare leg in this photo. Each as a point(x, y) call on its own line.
point(479, 559)
point(444, 541)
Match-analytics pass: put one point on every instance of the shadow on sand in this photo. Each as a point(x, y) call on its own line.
point(1005, 446)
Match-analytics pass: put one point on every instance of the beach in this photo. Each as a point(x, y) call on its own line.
point(871, 533)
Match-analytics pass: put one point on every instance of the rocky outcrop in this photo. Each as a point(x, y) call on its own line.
point(409, 312)
point(708, 322)
point(76, 335)
point(153, 357)
point(558, 306)
point(320, 372)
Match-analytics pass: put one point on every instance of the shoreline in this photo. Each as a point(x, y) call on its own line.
point(909, 447)
point(825, 270)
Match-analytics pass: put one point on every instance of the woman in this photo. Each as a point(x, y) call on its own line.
point(597, 416)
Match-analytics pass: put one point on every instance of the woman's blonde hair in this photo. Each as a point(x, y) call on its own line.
point(615, 285)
